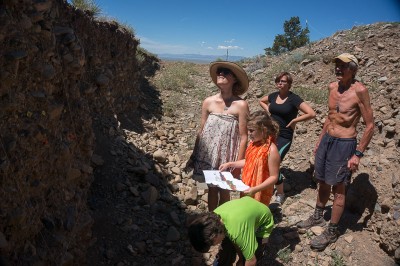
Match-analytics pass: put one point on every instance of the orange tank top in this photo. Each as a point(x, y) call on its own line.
point(256, 171)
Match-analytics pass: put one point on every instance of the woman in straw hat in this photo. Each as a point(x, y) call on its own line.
point(222, 135)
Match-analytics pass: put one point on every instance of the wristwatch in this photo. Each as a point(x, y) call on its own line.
point(358, 154)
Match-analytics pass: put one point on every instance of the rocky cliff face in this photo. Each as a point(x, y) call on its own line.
point(59, 71)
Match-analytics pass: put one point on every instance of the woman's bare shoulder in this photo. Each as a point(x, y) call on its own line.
point(240, 102)
point(210, 99)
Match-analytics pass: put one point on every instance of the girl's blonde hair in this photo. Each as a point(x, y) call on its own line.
point(263, 121)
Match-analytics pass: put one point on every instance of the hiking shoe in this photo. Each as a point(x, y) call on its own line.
point(280, 198)
point(323, 240)
point(310, 222)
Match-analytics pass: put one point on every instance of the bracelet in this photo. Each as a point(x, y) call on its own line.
point(358, 153)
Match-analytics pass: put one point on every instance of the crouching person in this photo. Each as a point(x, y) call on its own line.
point(241, 226)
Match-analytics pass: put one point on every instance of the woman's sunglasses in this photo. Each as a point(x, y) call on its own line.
point(224, 71)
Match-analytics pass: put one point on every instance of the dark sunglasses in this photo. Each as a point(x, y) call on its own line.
point(224, 71)
point(342, 66)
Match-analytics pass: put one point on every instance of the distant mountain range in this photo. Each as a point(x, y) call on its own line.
point(197, 58)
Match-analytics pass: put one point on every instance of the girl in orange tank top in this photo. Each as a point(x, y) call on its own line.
point(262, 160)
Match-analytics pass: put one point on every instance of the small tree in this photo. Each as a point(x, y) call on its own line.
point(294, 37)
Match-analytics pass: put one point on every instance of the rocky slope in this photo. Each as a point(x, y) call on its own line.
point(141, 200)
point(60, 70)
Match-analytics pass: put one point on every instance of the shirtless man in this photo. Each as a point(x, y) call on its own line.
point(337, 154)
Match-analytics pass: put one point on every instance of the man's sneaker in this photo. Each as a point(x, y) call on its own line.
point(310, 222)
point(323, 240)
point(280, 198)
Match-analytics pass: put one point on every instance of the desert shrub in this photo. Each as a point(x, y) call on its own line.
point(87, 5)
point(256, 64)
point(127, 27)
point(337, 260)
point(285, 255)
point(176, 77)
point(312, 94)
point(141, 54)
point(296, 58)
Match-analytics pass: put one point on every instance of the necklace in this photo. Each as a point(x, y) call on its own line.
point(342, 90)
point(228, 103)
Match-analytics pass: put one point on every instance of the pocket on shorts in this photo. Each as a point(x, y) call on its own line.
point(343, 175)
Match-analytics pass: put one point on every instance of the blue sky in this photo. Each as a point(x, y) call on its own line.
point(245, 28)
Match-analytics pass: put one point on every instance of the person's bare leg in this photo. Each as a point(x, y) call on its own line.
point(330, 234)
point(324, 192)
point(279, 189)
point(280, 193)
point(338, 202)
point(317, 218)
point(224, 196)
point(212, 198)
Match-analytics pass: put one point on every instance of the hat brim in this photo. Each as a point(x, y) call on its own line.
point(239, 73)
point(346, 58)
point(342, 58)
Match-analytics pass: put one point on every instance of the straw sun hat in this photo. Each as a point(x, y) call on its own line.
point(240, 74)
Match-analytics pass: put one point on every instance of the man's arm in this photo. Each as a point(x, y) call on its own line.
point(367, 114)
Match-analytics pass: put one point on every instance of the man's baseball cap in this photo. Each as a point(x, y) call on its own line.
point(347, 58)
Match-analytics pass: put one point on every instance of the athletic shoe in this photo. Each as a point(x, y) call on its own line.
point(323, 240)
point(280, 198)
point(310, 222)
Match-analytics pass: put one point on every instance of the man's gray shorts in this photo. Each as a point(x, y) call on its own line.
point(332, 157)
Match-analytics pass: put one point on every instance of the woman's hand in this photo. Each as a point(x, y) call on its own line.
point(224, 166)
point(292, 124)
point(250, 192)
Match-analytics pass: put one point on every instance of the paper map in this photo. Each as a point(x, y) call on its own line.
point(224, 180)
